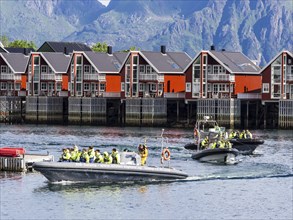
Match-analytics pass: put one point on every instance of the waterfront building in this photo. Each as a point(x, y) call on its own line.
point(47, 74)
point(63, 47)
point(13, 74)
point(277, 91)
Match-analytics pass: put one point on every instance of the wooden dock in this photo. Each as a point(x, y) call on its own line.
point(23, 163)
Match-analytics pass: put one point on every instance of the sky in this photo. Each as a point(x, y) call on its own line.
point(104, 2)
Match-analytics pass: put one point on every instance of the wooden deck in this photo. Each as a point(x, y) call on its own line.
point(23, 163)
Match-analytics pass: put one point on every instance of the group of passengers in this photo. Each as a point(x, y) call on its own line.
point(245, 134)
point(89, 156)
point(221, 143)
point(94, 156)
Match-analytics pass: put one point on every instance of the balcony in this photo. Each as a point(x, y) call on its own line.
point(289, 77)
point(249, 95)
point(178, 95)
point(96, 77)
point(10, 76)
point(46, 76)
point(221, 77)
point(151, 77)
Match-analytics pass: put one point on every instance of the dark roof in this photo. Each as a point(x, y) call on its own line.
point(237, 62)
point(17, 61)
point(19, 50)
point(173, 62)
point(50, 46)
point(105, 62)
point(58, 61)
point(2, 50)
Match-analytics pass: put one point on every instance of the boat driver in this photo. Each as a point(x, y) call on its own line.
point(143, 152)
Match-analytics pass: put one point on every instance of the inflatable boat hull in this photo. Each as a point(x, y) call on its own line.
point(82, 172)
point(217, 155)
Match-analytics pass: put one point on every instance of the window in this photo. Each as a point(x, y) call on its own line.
point(102, 87)
point(188, 87)
point(43, 69)
point(79, 60)
point(3, 86)
point(43, 86)
point(122, 87)
point(141, 87)
point(93, 87)
point(265, 87)
point(154, 87)
point(86, 87)
point(87, 68)
point(161, 87)
point(9, 86)
point(148, 69)
point(4, 69)
point(58, 86)
point(51, 86)
point(135, 60)
point(17, 86)
point(142, 69)
point(36, 60)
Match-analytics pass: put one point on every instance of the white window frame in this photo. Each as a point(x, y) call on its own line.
point(122, 87)
point(142, 69)
point(3, 86)
point(188, 87)
point(4, 69)
point(141, 87)
point(87, 69)
point(44, 66)
point(265, 88)
point(58, 86)
point(17, 86)
point(153, 87)
point(44, 86)
point(102, 87)
point(86, 87)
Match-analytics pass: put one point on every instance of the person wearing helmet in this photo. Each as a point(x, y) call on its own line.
point(143, 152)
point(107, 158)
point(115, 156)
point(99, 157)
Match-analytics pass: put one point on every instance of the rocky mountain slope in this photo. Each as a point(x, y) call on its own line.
point(259, 28)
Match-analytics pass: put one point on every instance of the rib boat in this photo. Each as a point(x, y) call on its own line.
point(217, 155)
point(128, 170)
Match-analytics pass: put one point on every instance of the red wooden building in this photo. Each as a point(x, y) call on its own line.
point(13, 74)
point(154, 74)
point(221, 74)
point(47, 74)
point(96, 74)
point(277, 78)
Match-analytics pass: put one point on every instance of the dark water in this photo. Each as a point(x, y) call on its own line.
point(258, 187)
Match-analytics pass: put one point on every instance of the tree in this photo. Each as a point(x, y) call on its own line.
point(132, 48)
point(100, 47)
point(22, 44)
point(4, 40)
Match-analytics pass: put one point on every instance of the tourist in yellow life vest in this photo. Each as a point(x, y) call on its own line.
point(65, 155)
point(143, 152)
point(205, 142)
point(228, 144)
point(84, 158)
point(115, 156)
point(107, 158)
point(243, 135)
point(73, 155)
point(232, 135)
point(248, 134)
point(213, 145)
point(99, 157)
point(91, 153)
point(220, 144)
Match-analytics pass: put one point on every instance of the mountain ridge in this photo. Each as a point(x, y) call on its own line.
point(258, 28)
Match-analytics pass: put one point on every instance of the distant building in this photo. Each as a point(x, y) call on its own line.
point(277, 78)
point(221, 74)
point(13, 74)
point(47, 74)
point(63, 47)
point(24, 51)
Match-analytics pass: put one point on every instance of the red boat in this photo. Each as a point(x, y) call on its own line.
point(11, 152)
